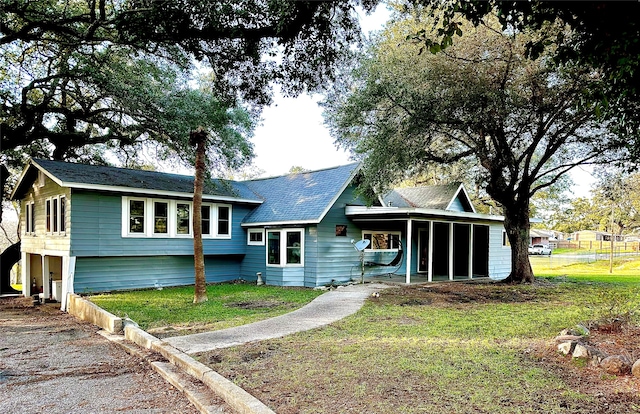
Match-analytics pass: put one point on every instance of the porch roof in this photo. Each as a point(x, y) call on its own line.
point(357, 213)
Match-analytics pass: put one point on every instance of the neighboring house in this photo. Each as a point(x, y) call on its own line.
point(546, 237)
point(592, 235)
point(94, 228)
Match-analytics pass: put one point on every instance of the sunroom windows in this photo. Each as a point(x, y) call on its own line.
point(149, 217)
point(285, 247)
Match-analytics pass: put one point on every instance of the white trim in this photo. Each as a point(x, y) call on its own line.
point(435, 213)
point(217, 233)
point(464, 190)
point(280, 223)
point(283, 247)
point(174, 228)
point(255, 243)
point(408, 252)
point(152, 224)
point(126, 217)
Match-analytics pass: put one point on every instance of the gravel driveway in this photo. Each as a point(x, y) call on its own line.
point(50, 362)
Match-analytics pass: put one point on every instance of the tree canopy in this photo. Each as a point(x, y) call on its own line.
point(523, 120)
point(78, 77)
point(601, 35)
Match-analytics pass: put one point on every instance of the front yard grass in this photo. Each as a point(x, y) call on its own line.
point(441, 348)
point(171, 311)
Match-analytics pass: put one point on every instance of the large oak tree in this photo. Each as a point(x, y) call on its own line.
point(525, 121)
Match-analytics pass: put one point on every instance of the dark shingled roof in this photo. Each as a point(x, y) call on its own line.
point(298, 197)
point(140, 179)
point(435, 197)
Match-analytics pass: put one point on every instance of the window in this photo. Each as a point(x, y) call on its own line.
point(206, 220)
point(294, 243)
point(183, 212)
point(223, 220)
point(505, 239)
point(380, 240)
point(47, 212)
point(255, 237)
point(274, 248)
point(55, 217)
point(149, 217)
point(63, 213)
point(341, 230)
point(136, 216)
point(30, 220)
point(285, 247)
point(160, 217)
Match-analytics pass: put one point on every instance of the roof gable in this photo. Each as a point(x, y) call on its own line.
point(452, 197)
point(302, 197)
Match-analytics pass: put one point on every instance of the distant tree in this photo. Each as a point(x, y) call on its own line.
point(521, 119)
point(296, 169)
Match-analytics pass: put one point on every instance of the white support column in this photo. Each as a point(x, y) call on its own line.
point(408, 251)
point(25, 271)
point(45, 277)
point(450, 251)
point(430, 262)
point(470, 251)
point(68, 270)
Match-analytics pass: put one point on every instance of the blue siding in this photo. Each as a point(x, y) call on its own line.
point(456, 205)
point(285, 276)
point(254, 261)
point(98, 274)
point(97, 231)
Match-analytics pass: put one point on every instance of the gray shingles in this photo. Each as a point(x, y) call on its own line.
point(140, 179)
point(433, 197)
point(298, 197)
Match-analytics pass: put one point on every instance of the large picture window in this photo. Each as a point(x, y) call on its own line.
point(382, 240)
point(150, 217)
point(285, 247)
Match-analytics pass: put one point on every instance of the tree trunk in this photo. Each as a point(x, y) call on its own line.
point(198, 138)
point(516, 224)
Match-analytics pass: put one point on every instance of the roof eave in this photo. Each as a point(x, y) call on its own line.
point(354, 211)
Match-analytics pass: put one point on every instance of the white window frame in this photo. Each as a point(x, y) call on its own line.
point(255, 243)
point(372, 232)
point(152, 219)
point(172, 219)
point(217, 221)
point(175, 217)
point(126, 217)
point(283, 247)
point(30, 223)
point(53, 222)
point(62, 218)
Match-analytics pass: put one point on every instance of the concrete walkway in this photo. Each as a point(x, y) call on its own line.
point(325, 309)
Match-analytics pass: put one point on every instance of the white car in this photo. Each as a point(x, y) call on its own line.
point(540, 249)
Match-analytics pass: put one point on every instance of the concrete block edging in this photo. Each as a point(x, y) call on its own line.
point(90, 312)
point(236, 397)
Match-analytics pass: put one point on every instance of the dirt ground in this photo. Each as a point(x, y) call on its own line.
point(50, 362)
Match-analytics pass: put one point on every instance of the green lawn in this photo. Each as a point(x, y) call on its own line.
point(228, 305)
point(441, 348)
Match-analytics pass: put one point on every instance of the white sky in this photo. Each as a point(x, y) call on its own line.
point(292, 132)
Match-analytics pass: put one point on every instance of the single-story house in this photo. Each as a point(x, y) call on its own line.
point(88, 228)
point(592, 235)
